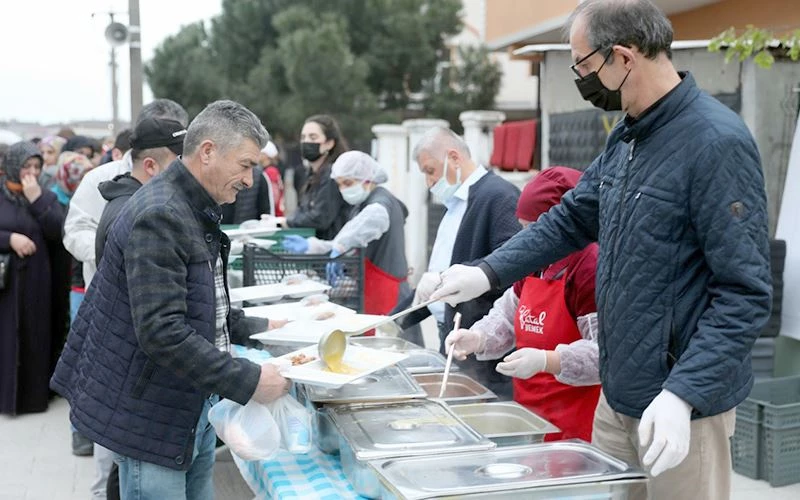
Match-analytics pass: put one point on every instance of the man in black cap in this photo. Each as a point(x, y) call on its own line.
point(155, 143)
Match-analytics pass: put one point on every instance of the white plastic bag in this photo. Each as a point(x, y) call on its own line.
point(249, 430)
point(294, 422)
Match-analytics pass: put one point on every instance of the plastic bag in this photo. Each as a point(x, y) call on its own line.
point(250, 431)
point(294, 422)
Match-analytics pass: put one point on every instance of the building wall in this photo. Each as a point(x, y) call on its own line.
point(707, 22)
point(504, 17)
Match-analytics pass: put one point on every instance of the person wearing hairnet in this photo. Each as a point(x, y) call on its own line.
point(551, 319)
point(376, 222)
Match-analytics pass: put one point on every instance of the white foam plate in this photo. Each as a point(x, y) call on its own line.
point(276, 291)
point(309, 331)
point(294, 311)
point(256, 231)
point(363, 359)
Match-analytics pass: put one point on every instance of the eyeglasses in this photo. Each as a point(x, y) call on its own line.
point(590, 54)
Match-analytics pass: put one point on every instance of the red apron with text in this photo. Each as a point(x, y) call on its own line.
point(543, 322)
point(381, 291)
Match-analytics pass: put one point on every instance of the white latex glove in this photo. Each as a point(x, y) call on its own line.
point(466, 342)
point(461, 283)
point(523, 363)
point(426, 286)
point(668, 421)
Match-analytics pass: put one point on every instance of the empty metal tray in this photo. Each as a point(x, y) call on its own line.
point(505, 423)
point(460, 388)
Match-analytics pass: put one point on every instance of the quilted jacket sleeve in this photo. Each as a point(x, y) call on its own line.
point(728, 210)
point(156, 263)
point(566, 228)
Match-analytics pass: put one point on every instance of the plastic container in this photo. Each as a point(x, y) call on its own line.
point(766, 444)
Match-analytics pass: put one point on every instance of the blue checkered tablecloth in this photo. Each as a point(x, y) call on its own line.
point(315, 475)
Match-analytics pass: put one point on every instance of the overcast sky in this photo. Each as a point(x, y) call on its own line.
point(54, 62)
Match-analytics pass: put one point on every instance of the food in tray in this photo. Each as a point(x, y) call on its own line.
point(301, 359)
point(324, 315)
point(343, 369)
point(314, 300)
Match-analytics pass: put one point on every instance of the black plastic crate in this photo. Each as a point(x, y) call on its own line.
point(263, 267)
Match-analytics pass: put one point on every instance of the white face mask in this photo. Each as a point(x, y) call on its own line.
point(355, 195)
point(443, 190)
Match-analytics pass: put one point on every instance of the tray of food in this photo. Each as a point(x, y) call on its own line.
point(275, 291)
point(306, 367)
point(309, 330)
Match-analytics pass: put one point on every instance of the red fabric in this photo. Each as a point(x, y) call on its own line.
point(511, 145)
point(545, 191)
point(526, 146)
point(381, 291)
point(514, 145)
point(543, 322)
point(498, 146)
point(274, 175)
point(579, 280)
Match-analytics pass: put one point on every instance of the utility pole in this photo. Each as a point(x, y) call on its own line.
point(136, 59)
point(114, 86)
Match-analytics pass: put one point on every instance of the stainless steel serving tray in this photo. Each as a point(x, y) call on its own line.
point(425, 361)
point(390, 384)
point(404, 428)
point(408, 428)
point(565, 469)
point(506, 423)
point(460, 388)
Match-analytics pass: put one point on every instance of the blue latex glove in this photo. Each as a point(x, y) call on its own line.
point(295, 244)
point(334, 270)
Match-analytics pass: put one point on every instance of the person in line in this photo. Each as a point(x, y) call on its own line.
point(377, 222)
point(550, 317)
point(155, 144)
point(270, 161)
point(321, 206)
point(149, 352)
point(50, 147)
point(80, 229)
point(678, 205)
point(29, 218)
point(479, 218)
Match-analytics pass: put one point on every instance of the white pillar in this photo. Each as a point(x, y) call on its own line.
point(479, 133)
point(392, 154)
point(417, 201)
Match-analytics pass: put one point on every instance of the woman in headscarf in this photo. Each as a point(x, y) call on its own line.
point(30, 218)
point(550, 318)
point(321, 207)
point(376, 221)
point(50, 147)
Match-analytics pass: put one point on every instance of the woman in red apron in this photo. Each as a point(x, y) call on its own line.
point(551, 320)
point(376, 223)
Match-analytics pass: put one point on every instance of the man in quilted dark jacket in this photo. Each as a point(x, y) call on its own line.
point(148, 353)
point(677, 203)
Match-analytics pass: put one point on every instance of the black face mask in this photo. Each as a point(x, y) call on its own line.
point(310, 151)
point(593, 90)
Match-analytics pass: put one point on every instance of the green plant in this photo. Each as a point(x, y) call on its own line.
point(756, 43)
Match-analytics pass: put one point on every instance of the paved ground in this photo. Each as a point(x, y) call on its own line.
point(36, 463)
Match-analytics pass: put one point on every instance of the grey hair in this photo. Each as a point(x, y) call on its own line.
point(164, 109)
point(636, 23)
point(438, 140)
point(227, 123)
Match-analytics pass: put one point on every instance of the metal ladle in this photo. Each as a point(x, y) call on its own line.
point(332, 344)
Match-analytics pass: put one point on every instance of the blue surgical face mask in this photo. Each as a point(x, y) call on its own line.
point(443, 190)
point(355, 195)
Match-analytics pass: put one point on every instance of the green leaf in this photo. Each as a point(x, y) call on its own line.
point(764, 59)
